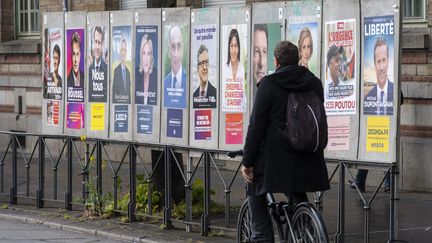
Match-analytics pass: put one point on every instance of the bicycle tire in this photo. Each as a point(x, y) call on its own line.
point(308, 225)
point(244, 231)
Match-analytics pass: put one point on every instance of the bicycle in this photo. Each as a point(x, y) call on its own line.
point(294, 224)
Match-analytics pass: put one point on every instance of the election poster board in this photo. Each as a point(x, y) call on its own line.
point(235, 76)
point(53, 73)
point(304, 30)
point(175, 76)
point(380, 88)
point(97, 78)
point(204, 71)
point(75, 39)
point(147, 53)
point(340, 77)
point(267, 30)
point(121, 75)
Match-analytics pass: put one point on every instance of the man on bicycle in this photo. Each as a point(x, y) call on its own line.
point(269, 163)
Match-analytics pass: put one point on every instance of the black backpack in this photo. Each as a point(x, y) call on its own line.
point(306, 122)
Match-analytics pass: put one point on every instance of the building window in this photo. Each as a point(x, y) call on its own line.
point(414, 10)
point(27, 17)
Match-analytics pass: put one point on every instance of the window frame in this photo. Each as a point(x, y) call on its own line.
point(32, 18)
point(422, 19)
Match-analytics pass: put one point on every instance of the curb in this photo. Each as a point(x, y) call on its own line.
point(78, 229)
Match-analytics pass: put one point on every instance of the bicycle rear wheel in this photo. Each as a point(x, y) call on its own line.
point(308, 225)
point(244, 232)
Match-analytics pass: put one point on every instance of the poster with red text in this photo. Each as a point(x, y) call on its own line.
point(202, 125)
point(234, 128)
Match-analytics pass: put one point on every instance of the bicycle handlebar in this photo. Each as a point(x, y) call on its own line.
point(233, 154)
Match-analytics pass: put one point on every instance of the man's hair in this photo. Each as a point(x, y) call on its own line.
point(170, 30)
point(201, 49)
point(286, 53)
point(304, 33)
point(99, 29)
point(57, 50)
point(262, 27)
point(380, 42)
point(123, 40)
point(233, 34)
point(76, 39)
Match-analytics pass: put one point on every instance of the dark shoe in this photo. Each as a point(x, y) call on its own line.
point(387, 189)
point(352, 184)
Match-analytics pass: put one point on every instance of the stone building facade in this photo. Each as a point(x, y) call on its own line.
point(20, 85)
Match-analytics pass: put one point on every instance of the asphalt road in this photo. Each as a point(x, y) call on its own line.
point(15, 231)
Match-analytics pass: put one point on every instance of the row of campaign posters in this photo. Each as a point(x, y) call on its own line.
point(215, 88)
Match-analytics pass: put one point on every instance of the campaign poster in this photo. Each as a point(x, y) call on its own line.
point(146, 61)
point(340, 88)
point(121, 64)
point(378, 134)
point(75, 64)
point(378, 65)
point(121, 118)
point(75, 115)
point(234, 65)
point(203, 123)
point(265, 37)
point(175, 123)
point(53, 108)
point(53, 68)
point(234, 128)
point(338, 133)
point(98, 63)
point(176, 56)
point(305, 36)
point(204, 59)
point(144, 119)
point(97, 117)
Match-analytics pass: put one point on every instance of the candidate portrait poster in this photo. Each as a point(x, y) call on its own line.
point(121, 64)
point(75, 64)
point(378, 65)
point(204, 66)
point(176, 55)
point(146, 65)
point(234, 65)
point(305, 36)
point(340, 88)
point(53, 64)
point(98, 63)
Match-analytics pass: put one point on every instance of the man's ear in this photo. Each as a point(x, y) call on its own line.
point(275, 62)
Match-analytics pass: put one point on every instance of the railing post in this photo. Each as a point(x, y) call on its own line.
point(150, 197)
point(132, 183)
point(68, 194)
point(40, 191)
point(394, 199)
point(167, 209)
point(188, 194)
point(339, 236)
point(99, 167)
point(84, 173)
point(13, 189)
point(366, 209)
point(227, 207)
point(205, 218)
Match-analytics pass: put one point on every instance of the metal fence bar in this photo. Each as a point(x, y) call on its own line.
point(167, 204)
point(68, 195)
point(13, 189)
point(132, 183)
point(40, 191)
point(2, 166)
point(340, 232)
point(205, 218)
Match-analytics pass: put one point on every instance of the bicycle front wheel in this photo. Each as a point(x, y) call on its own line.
point(308, 225)
point(244, 232)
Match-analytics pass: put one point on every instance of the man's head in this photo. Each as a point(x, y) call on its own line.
point(175, 47)
point(76, 51)
point(381, 61)
point(56, 57)
point(203, 64)
point(285, 53)
point(98, 39)
point(260, 47)
point(333, 62)
point(123, 51)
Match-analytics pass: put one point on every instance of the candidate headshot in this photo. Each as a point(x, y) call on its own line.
point(305, 47)
point(260, 49)
point(98, 69)
point(205, 95)
point(56, 79)
point(175, 80)
point(233, 69)
point(146, 74)
point(121, 82)
point(76, 76)
point(333, 64)
point(379, 100)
